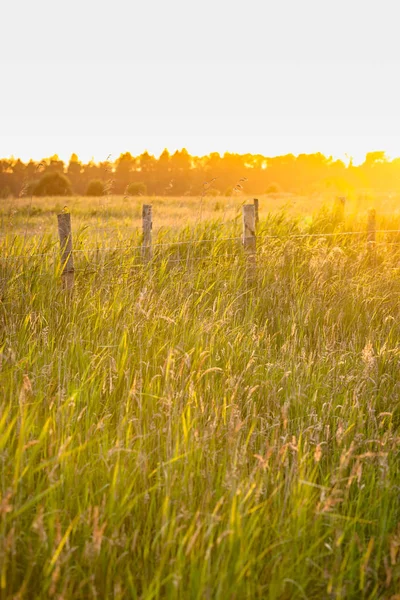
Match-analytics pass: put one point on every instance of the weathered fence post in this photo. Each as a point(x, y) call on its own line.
point(256, 206)
point(147, 223)
point(249, 237)
point(67, 259)
point(339, 207)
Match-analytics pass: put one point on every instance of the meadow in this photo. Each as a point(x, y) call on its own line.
point(180, 429)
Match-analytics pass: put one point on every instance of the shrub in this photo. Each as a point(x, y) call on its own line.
point(229, 191)
point(213, 192)
point(95, 188)
point(53, 184)
point(136, 189)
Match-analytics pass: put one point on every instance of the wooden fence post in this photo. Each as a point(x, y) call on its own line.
point(256, 206)
point(249, 237)
point(67, 259)
point(147, 223)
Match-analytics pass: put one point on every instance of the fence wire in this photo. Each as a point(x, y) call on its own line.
point(260, 238)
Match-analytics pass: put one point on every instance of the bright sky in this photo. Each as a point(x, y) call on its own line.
point(262, 76)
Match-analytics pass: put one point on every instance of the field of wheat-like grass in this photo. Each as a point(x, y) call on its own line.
point(182, 429)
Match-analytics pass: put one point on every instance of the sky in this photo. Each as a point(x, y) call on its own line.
point(271, 77)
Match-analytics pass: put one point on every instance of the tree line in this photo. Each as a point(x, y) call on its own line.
point(182, 174)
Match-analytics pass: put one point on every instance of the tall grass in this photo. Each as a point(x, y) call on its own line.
point(178, 430)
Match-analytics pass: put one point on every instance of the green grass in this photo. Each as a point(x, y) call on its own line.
point(183, 430)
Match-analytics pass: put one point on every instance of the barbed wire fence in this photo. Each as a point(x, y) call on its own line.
point(65, 260)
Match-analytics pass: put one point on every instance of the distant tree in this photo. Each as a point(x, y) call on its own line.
point(372, 158)
point(95, 188)
point(125, 167)
point(74, 173)
point(136, 189)
point(74, 166)
point(53, 184)
point(31, 171)
point(163, 173)
point(180, 171)
point(55, 165)
point(164, 158)
point(147, 163)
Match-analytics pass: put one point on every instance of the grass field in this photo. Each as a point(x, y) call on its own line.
point(119, 215)
point(182, 430)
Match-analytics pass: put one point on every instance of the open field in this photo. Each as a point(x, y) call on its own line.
point(181, 430)
point(37, 216)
